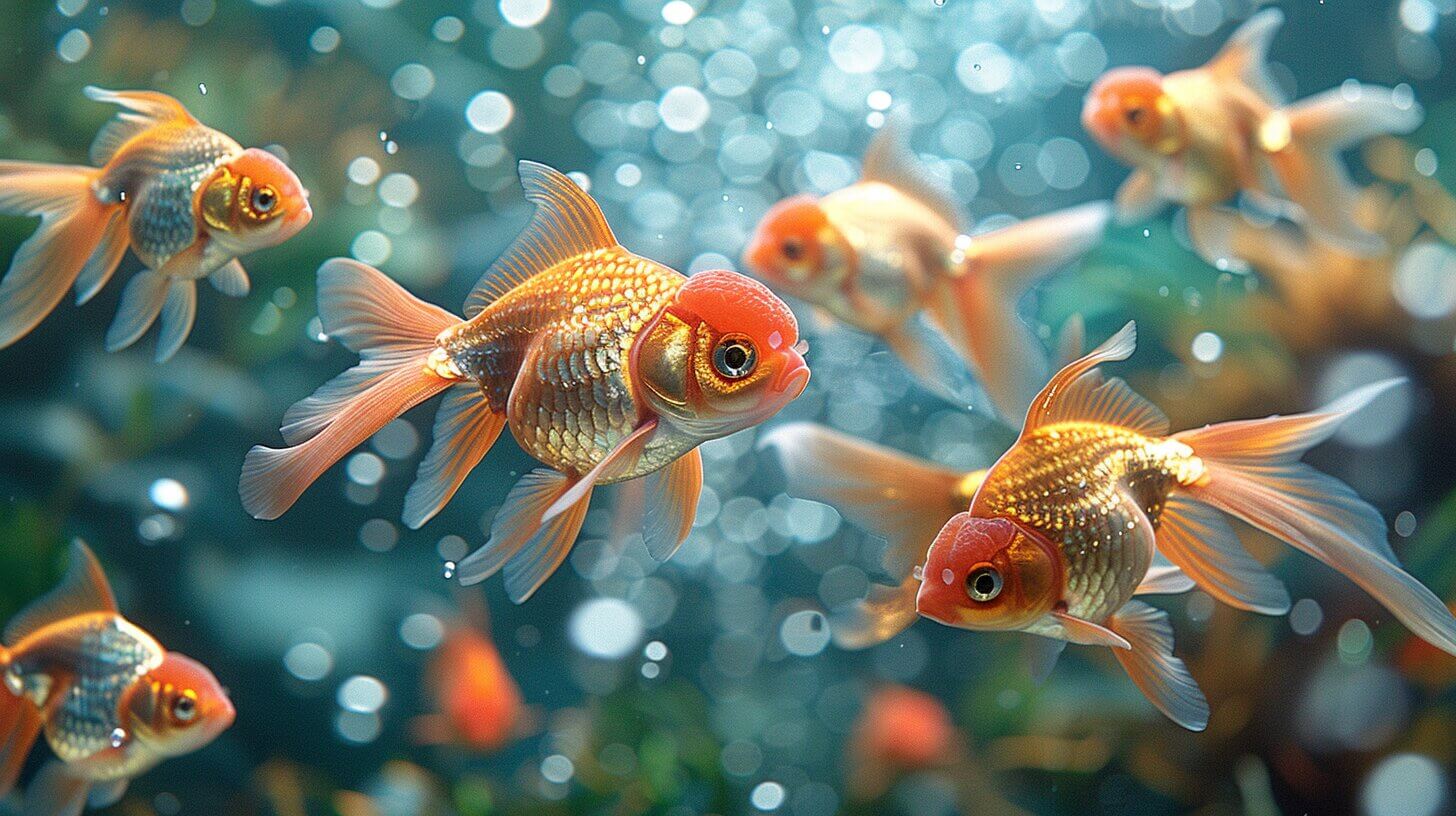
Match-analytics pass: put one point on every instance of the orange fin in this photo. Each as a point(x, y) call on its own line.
point(143, 110)
point(671, 504)
point(394, 334)
point(20, 724)
point(1148, 660)
point(1196, 538)
point(1071, 395)
point(465, 428)
point(1088, 633)
point(517, 520)
point(83, 590)
point(73, 224)
point(544, 551)
point(55, 791)
point(567, 223)
point(883, 613)
point(1164, 579)
point(618, 459)
point(115, 238)
point(1244, 58)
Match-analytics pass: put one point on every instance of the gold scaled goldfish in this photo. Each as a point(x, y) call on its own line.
point(111, 701)
point(887, 250)
point(187, 199)
point(1200, 136)
point(1061, 533)
point(606, 366)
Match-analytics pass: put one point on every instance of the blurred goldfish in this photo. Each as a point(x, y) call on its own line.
point(1061, 533)
point(186, 198)
point(479, 704)
point(1200, 136)
point(900, 730)
point(606, 366)
point(112, 702)
point(888, 249)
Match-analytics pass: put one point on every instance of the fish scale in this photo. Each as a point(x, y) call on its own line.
point(1082, 485)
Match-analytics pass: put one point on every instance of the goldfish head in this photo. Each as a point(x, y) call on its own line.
point(723, 356)
point(798, 250)
point(989, 573)
point(178, 707)
point(1128, 113)
point(253, 202)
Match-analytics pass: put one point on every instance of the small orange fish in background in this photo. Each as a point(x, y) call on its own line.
point(1200, 136)
point(606, 366)
point(899, 731)
point(889, 249)
point(1062, 532)
point(111, 701)
point(479, 706)
point(187, 199)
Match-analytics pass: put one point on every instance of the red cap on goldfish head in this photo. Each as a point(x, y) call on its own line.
point(1126, 102)
point(728, 301)
point(989, 573)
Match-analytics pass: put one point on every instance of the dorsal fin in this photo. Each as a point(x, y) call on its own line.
point(82, 591)
point(143, 109)
point(1244, 58)
point(889, 160)
point(567, 223)
point(1078, 393)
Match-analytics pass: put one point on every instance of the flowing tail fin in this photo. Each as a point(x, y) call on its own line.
point(19, 726)
point(898, 497)
point(1304, 141)
point(980, 314)
point(1253, 473)
point(394, 334)
point(77, 232)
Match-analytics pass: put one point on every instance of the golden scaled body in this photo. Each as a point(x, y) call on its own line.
point(1089, 487)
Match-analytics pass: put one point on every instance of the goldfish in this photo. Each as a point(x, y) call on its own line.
point(111, 701)
point(1061, 533)
point(900, 730)
point(479, 704)
point(187, 199)
point(1200, 136)
point(889, 251)
point(607, 367)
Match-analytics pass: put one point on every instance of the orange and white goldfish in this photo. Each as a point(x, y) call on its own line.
point(111, 701)
point(606, 366)
point(1200, 136)
point(888, 250)
point(479, 704)
point(187, 199)
point(1062, 532)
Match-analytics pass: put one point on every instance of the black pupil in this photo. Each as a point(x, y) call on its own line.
point(985, 583)
point(735, 356)
point(1135, 115)
point(265, 200)
point(793, 249)
point(184, 706)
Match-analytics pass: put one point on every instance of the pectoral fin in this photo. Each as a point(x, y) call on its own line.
point(1149, 661)
point(1088, 633)
point(617, 459)
point(55, 792)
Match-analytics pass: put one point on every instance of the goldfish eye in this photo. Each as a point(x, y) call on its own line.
point(265, 198)
point(792, 248)
point(983, 584)
point(184, 708)
point(735, 357)
point(1135, 115)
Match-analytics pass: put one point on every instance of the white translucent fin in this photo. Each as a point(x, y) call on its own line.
point(1197, 539)
point(83, 590)
point(671, 503)
point(619, 459)
point(231, 279)
point(179, 312)
point(889, 160)
point(141, 303)
point(143, 110)
point(465, 428)
point(1088, 633)
point(72, 224)
point(1046, 408)
point(1163, 678)
point(883, 613)
point(1244, 58)
point(935, 364)
point(55, 791)
point(1279, 251)
point(896, 496)
point(1164, 579)
point(1071, 340)
point(517, 520)
point(1040, 654)
point(1137, 198)
point(106, 794)
point(107, 256)
point(1022, 254)
point(567, 223)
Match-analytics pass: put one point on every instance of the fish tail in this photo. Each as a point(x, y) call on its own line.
point(900, 498)
point(1253, 473)
point(19, 726)
point(1304, 140)
point(394, 334)
point(80, 238)
point(980, 312)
